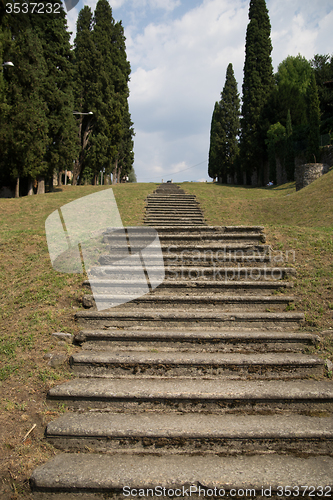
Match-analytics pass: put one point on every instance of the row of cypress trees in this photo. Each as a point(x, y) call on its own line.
point(39, 134)
point(246, 144)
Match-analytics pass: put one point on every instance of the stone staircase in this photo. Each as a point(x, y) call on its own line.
point(201, 387)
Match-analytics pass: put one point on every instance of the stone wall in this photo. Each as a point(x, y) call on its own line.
point(309, 172)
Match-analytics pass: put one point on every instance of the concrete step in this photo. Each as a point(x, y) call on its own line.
point(229, 366)
point(127, 475)
point(191, 433)
point(195, 258)
point(205, 340)
point(193, 302)
point(192, 238)
point(195, 286)
point(182, 272)
point(186, 319)
point(187, 395)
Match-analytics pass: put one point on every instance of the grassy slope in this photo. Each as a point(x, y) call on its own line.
point(36, 301)
point(301, 221)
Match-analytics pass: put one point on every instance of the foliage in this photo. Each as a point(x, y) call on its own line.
point(257, 88)
point(39, 135)
point(292, 81)
point(314, 122)
point(323, 68)
point(224, 148)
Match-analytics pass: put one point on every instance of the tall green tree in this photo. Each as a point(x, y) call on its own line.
point(229, 120)
point(86, 87)
point(58, 89)
point(26, 139)
point(257, 87)
point(102, 75)
point(292, 81)
point(314, 122)
point(214, 144)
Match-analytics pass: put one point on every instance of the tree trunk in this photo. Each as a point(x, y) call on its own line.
point(59, 178)
point(95, 180)
point(30, 188)
point(17, 188)
point(41, 185)
point(118, 175)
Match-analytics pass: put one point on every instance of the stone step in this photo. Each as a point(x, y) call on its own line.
point(157, 219)
point(194, 286)
point(159, 208)
point(192, 302)
point(191, 238)
point(191, 433)
point(212, 229)
point(128, 475)
point(199, 395)
point(194, 258)
point(186, 319)
point(177, 272)
point(205, 340)
point(229, 366)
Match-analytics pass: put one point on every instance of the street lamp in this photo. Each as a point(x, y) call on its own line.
point(78, 113)
point(8, 63)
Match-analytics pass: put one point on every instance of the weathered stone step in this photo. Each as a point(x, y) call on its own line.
point(193, 258)
point(180, 223)
point(228, 366)
point(206, 341)
point(182, 272)
point(158, 218)
point(187, 319)
point(193, 433)
point(159, 208)
point(193, 302)
point(223, 237)
point(195, 286)
point(199, 395)
point(184, 475)
point(214, 229)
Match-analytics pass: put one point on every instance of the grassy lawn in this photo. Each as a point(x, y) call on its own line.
point(36, 301)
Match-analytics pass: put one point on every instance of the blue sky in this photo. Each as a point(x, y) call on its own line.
point(179, 51)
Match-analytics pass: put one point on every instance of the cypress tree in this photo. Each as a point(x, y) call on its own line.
point(86, 87)
point(215, 133)
point(314, 122)
point(229, 120)
point(257, 87)
point(27, 128)
point(58, 90)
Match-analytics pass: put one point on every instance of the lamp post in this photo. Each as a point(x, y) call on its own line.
point(6, 64)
